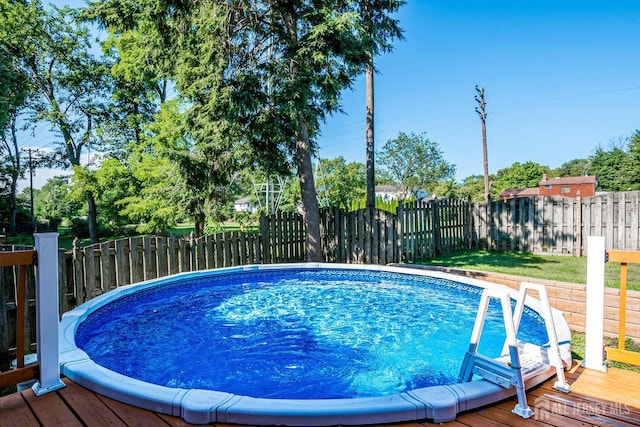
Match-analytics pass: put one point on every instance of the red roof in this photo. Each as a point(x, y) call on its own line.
point(520, 192)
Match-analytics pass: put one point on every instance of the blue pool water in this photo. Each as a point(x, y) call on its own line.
point(297, 334)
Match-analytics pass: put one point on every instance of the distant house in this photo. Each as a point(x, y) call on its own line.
point(243, 205)
point(569, 186)
point(389, 192)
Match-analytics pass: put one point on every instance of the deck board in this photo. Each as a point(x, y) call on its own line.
point(132, 415)
point(15, 412)
point(597, 399)
point(50, 409)
point(89, 408)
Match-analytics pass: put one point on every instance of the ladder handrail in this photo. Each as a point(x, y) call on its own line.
point(547, 315)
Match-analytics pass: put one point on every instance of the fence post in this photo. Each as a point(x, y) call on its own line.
point(594, 345)
point(578, 225)
point(47, 313)
point(437, 230)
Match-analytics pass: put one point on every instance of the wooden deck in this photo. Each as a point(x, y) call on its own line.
point(598, 399)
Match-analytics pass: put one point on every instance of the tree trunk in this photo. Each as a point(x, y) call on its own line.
point(92, 218)
point(13, 228)
point(15, 174)
point(199, 221)
point(370, 157)
point(309, 197)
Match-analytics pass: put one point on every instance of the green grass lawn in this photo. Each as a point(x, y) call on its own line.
point(577, 349)
point(550, 267)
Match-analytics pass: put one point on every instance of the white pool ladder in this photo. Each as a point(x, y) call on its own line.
point(553, 351)
point(508, 370)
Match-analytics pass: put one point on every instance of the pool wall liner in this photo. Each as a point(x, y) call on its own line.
point(437, 403)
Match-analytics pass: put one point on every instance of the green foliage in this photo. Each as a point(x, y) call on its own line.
point(575, 167)
point(471, 188)
point(611, 169)
point(15, 82)
point(257, 78)
point(79, 227)
point(414, 161)
point(519, 175)
point(340, 182)
point(390, 205)
point(631, 167)
point(549, 267)
point(53, 204)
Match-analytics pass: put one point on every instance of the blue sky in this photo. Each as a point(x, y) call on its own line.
point(561, 78)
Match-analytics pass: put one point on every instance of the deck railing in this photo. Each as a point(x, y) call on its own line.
point(596, 353)
point(620, 354)
point(21, 260)
point(47, 367)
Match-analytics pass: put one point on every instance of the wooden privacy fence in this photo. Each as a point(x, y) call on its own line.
point(620, 354)
point(416, 231)
point(433, 228)
point(558, 225)
point(364, 236)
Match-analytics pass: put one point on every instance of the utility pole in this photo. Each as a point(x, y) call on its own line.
point(370, 144)
point(483, 118)
point(31, 151)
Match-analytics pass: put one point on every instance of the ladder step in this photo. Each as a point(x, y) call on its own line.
point(529, 364)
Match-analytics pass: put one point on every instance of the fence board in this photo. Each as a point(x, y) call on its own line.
point(161, 256)
point(173, 255)
point(107, 272)
point(137, 259)
point(634, 220)
point(209, 249)
point(219, 250)
point(200, 257)
point(123, 266)
point(6, 290)
point(150, 264)
point(78, 272)
point(92, 286)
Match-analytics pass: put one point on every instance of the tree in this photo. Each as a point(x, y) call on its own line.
point(15, 89)
point(338, 184)
point(70, 87)
point(53, 203)
point(414, 161)
point(575, 167)
point(471, 188)
point(159, 199)
point(519, 175)
point(257, 79)
point(631, 167)
point(609, 167)
point(381, 29)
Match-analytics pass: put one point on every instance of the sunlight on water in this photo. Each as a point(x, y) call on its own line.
point(296, 334)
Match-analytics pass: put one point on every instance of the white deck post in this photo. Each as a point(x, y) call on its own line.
point(594, 343)
point(47, 313)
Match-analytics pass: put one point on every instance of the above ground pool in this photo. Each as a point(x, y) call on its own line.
point(296, 344)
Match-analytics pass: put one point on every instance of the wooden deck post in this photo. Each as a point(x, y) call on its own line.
point(594, 341)
point(47, 313)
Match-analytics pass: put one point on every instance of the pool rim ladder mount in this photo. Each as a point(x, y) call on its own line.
point(507, 375)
